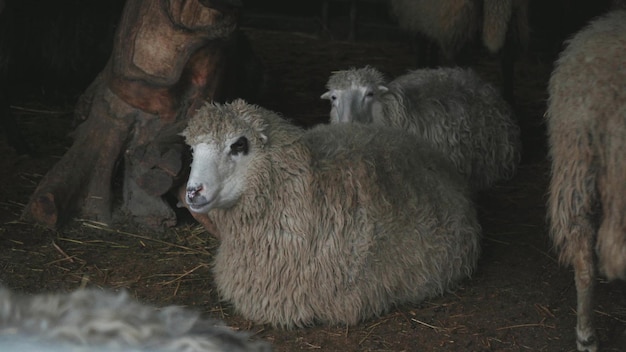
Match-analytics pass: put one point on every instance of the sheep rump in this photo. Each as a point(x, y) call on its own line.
point(453, 108)
point(456, 24)
point(452, 24)
point(336, 224)
point(586, 120)
point(95, 320)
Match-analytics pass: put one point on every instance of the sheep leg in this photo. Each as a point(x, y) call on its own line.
point(573, 209)
point(575, 232)
point(611, 244)
point(584, 276)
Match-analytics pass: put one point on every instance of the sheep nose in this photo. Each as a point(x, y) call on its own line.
point(193, 192)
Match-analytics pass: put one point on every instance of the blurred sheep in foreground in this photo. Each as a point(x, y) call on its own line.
point(95, 320)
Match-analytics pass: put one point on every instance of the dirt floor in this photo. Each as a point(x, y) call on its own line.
point(519, 299)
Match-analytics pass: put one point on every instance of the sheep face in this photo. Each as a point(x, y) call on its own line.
point(353, 94)
point(352, 105)
point(217, 170)
point(222, 148)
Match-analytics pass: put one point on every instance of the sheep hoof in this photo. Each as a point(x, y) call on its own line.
point(587, 342)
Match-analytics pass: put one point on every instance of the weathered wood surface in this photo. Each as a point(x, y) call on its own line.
point(168, 58)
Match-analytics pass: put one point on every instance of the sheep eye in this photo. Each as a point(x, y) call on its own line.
point(240, 146)
point(369, 94)
point(333, 97)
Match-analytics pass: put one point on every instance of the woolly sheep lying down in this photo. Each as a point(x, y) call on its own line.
point(330, 225)
point(452, 108)
point(586, 121)
point(94, 320)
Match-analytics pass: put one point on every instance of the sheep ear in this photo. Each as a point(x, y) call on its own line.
point(383, 89)
point(325, 95)
point(263, 138)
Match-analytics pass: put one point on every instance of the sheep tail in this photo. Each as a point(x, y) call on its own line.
point(458, 21)
point(498, 15)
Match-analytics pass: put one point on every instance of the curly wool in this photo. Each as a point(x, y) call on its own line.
point(337, 224)
point(453, 109)
point(95, 320)
point(586, 111)
point(348, 79)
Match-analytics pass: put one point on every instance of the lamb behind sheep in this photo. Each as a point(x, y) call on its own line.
point(453, 108)
point(335, 224)
point(587, 133)
point(101, 321)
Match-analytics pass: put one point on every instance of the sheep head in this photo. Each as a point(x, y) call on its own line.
point(354, 93)
point(224, 139)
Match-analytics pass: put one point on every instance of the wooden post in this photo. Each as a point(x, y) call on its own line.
point(167, 59)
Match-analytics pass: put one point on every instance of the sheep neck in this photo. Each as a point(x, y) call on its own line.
point(265, 208)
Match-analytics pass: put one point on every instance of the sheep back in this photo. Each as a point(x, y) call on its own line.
point(462, 115)
point(341, 226)
point(586, 120)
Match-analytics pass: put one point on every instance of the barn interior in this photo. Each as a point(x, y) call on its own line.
point(519, 299)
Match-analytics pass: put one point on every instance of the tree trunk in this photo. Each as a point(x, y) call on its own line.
point(167, 59)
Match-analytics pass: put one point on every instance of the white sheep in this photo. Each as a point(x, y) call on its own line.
point(101, 321)
point(586, 120)
point(453, 108)
point(454, 24)
point(336, 224)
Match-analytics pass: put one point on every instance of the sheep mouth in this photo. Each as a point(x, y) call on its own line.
point(201, 206)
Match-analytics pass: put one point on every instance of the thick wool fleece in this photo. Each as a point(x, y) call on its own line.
point(338, 223)
point(453, 109)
